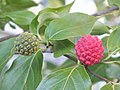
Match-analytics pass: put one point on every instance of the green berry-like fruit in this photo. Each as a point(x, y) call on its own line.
point(27, 44)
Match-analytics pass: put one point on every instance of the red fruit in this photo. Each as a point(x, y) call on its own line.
point(89, 50)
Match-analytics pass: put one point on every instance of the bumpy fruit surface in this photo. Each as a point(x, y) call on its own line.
point(89, 50)
point(27, 44)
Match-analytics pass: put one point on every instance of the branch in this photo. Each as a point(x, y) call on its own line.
point(8, 37)
point(96, 75)
point(93, 73)
point(113, 8)
point(71, 58)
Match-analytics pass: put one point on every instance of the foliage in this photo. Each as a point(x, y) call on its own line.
point(58, 30)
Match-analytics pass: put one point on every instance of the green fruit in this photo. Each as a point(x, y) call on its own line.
point(27, 44)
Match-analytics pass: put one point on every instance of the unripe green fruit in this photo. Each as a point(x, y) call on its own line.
point(27, 44)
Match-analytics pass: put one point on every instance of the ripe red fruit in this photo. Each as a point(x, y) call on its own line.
point(89, 50)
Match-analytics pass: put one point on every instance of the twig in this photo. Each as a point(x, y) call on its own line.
point(70, 57)
point(7, 37)
point(113, 8)
point(93, 73)
point(96, 75)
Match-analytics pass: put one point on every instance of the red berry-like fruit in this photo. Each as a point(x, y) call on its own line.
point(89, 50)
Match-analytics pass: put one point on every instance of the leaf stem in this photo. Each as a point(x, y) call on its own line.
point(98, 76)
point(71, 58)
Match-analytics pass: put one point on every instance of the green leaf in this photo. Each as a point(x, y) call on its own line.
point(99, 28)
point(21, 3)
point(114, 2)
point(63, 47)
point(13, 5)
point(50, 66)
point(40, 19)
point(104, 69)
point(46, 17)
point(117, 87)
point(25, 73)
point(99, 69)
point(72, 78)
point(6, 52)
point(63, 28)
point(22, 18)
point(115, 67)
point(66, 64)
point(104, 40)
point(54, 3)
point(111, 87)
point(3, 22)
point(35, 74)
point(60, 10)
point(100, 5)
point(107, 87)
point(113, 45)
point(33, 25)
